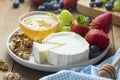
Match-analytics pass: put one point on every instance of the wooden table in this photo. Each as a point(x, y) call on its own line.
point(9, 22)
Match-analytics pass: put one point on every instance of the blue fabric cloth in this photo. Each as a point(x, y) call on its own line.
point(84, 73)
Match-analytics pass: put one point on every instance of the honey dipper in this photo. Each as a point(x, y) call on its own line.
point(108, 70)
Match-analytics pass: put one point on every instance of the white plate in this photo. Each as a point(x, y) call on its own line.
point(31, 63)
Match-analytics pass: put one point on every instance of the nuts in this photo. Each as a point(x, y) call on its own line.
point(3, 65)
point(11, 76)
point(21, 45)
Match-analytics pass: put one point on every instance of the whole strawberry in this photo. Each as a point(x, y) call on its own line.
point(97, 37)
point(103, 22)
point(80, 26)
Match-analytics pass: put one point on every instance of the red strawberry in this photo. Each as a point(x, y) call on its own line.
point(37, 1)
point(97, 37)
point(80, 26)
point(103, 22)
point(69, 3)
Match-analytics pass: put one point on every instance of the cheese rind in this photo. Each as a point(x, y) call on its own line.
point(60, 59)
point(74, 50)
point(40, 51)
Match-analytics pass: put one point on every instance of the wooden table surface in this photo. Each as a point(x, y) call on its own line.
point(9, 21)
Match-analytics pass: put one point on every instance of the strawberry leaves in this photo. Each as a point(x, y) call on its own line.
point(82, 20)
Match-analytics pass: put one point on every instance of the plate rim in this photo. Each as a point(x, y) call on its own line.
point(49, 67)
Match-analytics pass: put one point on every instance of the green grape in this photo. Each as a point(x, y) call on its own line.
point(66, 28)
point(61, 24)
point(52, 15)
point(104, 1)
point(116, 5)
point(49, 14)
point(66, 16)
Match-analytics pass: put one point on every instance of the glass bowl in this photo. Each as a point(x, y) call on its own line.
point(38, 24)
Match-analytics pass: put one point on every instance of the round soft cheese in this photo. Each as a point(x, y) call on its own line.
point(72, 48)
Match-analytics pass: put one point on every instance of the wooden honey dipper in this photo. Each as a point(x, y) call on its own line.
point(108, 70)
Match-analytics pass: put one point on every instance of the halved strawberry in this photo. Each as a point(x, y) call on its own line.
point(97, 37)
point(80, 26)
point(103, 22)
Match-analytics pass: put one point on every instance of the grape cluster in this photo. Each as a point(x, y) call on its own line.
point(50, 5)
point(66, 19)
point(109, 4)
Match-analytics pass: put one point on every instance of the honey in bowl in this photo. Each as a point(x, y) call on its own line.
point(38, 24)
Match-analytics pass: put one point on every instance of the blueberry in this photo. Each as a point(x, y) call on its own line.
point(92, 0)
point(49, 6)
point(41, 8)
point(45, 4)
point(98, 3)
point(109, 6)
point(48, 0)
point(16, 3)
point(111, 1)
point(57, 0)
point(53, 2)
point(92, 4)
point(61, 4)
point(94, 51)
point(56, 6)
point(22, 1)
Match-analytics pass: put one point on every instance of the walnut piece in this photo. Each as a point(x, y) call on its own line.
point(3, 65)
point(21, 45)
point(11, 76)
point(38, 40)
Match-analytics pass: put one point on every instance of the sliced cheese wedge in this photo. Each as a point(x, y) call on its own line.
point(75, 49)
point(40, 51)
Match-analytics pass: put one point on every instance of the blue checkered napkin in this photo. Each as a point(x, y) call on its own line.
point(71, 75)
point(84, 73)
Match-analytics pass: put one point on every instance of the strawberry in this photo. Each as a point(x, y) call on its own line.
point(37, 1)
point(103, 22)
point(69, 3)
point(80, 26)
point(97, 37)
